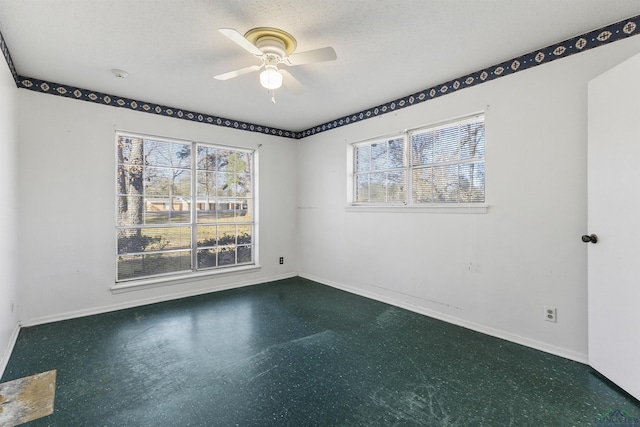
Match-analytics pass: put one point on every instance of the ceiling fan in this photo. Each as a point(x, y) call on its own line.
point(274, 47)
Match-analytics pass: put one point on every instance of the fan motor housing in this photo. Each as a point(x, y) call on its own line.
point(271, 46)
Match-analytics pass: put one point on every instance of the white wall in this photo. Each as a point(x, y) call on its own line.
point(492, 272)
point(8, 213)
point(66, 172)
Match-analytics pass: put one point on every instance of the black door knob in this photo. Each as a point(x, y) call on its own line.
point(590, 238)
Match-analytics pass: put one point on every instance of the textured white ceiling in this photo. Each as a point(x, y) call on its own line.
point(386, 48)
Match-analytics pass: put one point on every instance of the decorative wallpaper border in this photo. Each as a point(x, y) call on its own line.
point(7, 56)
point(146, 107)
point(611, 33)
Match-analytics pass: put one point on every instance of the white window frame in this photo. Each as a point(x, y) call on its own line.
point(390, 169)
point(142, 282)
point(407, 205)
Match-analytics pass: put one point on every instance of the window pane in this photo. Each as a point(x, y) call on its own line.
point(182, 183)
point(243, 185)
point(243, 211)
point(396, 186)
point(126, 182)
point(180, 213)
point(363, 158)
point(226, 235)
point(450, 150)
point(244, 235)
point(479, 154)
point(445, 184)
point(423, 185)
point(472, 140)
point(214, 257)
point(362, 188)
point(447, 142)
point(157, 217)
point(129, 181)
point(240, 162)
point(227, 255)
point(180, 155)
point(206, 158)
point(225, 210)
point(157, 181)
point(379, 156)
point(156, 211)
point(225, 183)
point(133, 266)
point(206, 212)
point(377, 187)
point(206, 184)
point(387, 183)
point(422, 148)
point(124, 146)
point(130, 210)
point(132, 240)
point(207, 236)
point(156, 153)
point(207, 258)
point(167, 210)
point(224, 161)
point(396, 153)
point(472, 182)
point(245, 254)
point(154, 183)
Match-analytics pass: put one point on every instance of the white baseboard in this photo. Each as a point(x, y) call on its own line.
point(7, 352)
point(147, 301)
point(547, 348)
point(527, 342)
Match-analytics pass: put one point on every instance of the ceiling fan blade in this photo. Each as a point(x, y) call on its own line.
point(239, 39)
point(291, 82)
point(311, 56)
point(236, 73)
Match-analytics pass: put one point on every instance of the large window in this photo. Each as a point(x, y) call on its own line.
point(182, 207)
point(431, 165)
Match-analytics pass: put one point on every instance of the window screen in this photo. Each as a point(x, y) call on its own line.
point(179, 212)
point(447, 162)
point(431, 165)
point(380, 171)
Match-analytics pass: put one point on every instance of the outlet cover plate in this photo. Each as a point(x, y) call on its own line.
point(550, 314)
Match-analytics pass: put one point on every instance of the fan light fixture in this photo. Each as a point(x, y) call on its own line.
point(273, 47)
point(270, 78)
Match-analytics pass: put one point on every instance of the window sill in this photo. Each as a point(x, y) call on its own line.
point(476, 208)
point(136, 285)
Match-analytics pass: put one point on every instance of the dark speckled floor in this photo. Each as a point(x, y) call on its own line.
point(297, 353)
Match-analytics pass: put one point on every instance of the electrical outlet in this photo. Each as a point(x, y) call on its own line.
point(550, 314)
point(12, 306)
point(281, 260)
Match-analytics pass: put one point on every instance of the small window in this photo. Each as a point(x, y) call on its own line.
point(447, 163)
point(440, 164)
point(181, 207)
point(380, 171)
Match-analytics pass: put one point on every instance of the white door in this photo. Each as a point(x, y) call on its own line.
point(614, 216)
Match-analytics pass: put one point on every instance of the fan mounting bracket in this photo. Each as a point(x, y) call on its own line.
point(287, 39)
